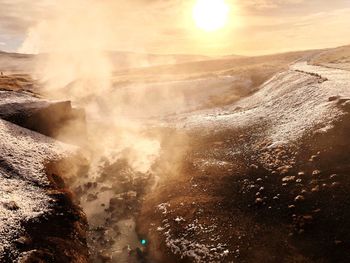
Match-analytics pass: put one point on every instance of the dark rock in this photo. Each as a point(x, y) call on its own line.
point(308, 218)
point(57, 180)
point(324, 186)
point(254, 166)
point(12, 205)
point(335, 185)
point(259, 201)
point(47, 118)
point(37, 256)
point(315, 189)
point(91, 197)
point(316, 172)
point(288, 179)
point(299, 198)
point(334, 176)
point(333, 98)
point(23, 241)
point(314, 158)
point(343, 100)
point(105, 256)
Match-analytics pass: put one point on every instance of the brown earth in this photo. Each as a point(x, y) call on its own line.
point(259, 215)
point(60, 235)
point(337, 58)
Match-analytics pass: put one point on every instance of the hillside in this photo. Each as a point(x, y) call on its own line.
point(275, 177)
point(16, 63)
point(338, 58)
point(38, 220)
point(222, 65)
point(171, 89)
point(25, 63)
point(222, 160)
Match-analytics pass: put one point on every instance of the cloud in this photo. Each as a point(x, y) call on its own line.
point(17, 15)
point(269, 4)
point(316, 30)
point(166, 26)
point(287, 7)
point(135, 25)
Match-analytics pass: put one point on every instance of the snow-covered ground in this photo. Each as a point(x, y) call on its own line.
point(7, 97)
point(304, 99)
point(290, 104)
point(23, 155)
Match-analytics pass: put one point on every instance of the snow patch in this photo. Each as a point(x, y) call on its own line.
point(22, 179)
point(286, 107)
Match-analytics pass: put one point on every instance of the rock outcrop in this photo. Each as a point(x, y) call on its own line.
point(39, 221)
point(51, 118)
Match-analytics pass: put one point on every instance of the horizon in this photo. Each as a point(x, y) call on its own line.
point(171, 131)
point(203, 55)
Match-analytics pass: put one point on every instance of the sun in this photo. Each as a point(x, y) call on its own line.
point(210, 15)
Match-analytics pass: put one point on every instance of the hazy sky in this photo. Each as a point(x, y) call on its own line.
point(166, 26)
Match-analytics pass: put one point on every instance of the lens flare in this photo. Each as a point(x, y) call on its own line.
point(210, 15)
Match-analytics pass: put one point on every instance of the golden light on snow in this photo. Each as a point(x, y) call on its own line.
point(210, 15)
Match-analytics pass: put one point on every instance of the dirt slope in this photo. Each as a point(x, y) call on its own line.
point(38, 220)
point(337, 58)
point(263, 180)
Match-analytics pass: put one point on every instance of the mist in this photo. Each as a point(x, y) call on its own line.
point(160, 131)
point(74, 64)
point(129, 149)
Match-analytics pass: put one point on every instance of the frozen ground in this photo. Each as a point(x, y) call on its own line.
point(256, 160)
point(304, 99)
point(23, 180)
point(292, 103)
point(7, 97)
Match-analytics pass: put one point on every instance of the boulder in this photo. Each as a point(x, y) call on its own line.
point(57, 119)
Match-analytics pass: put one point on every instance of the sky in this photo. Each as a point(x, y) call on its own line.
point(254, 27)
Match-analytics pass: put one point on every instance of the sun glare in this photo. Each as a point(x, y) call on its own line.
point(210, 15)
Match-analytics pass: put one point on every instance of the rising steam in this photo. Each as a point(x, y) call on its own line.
point(73, 43)
point(73, 63)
